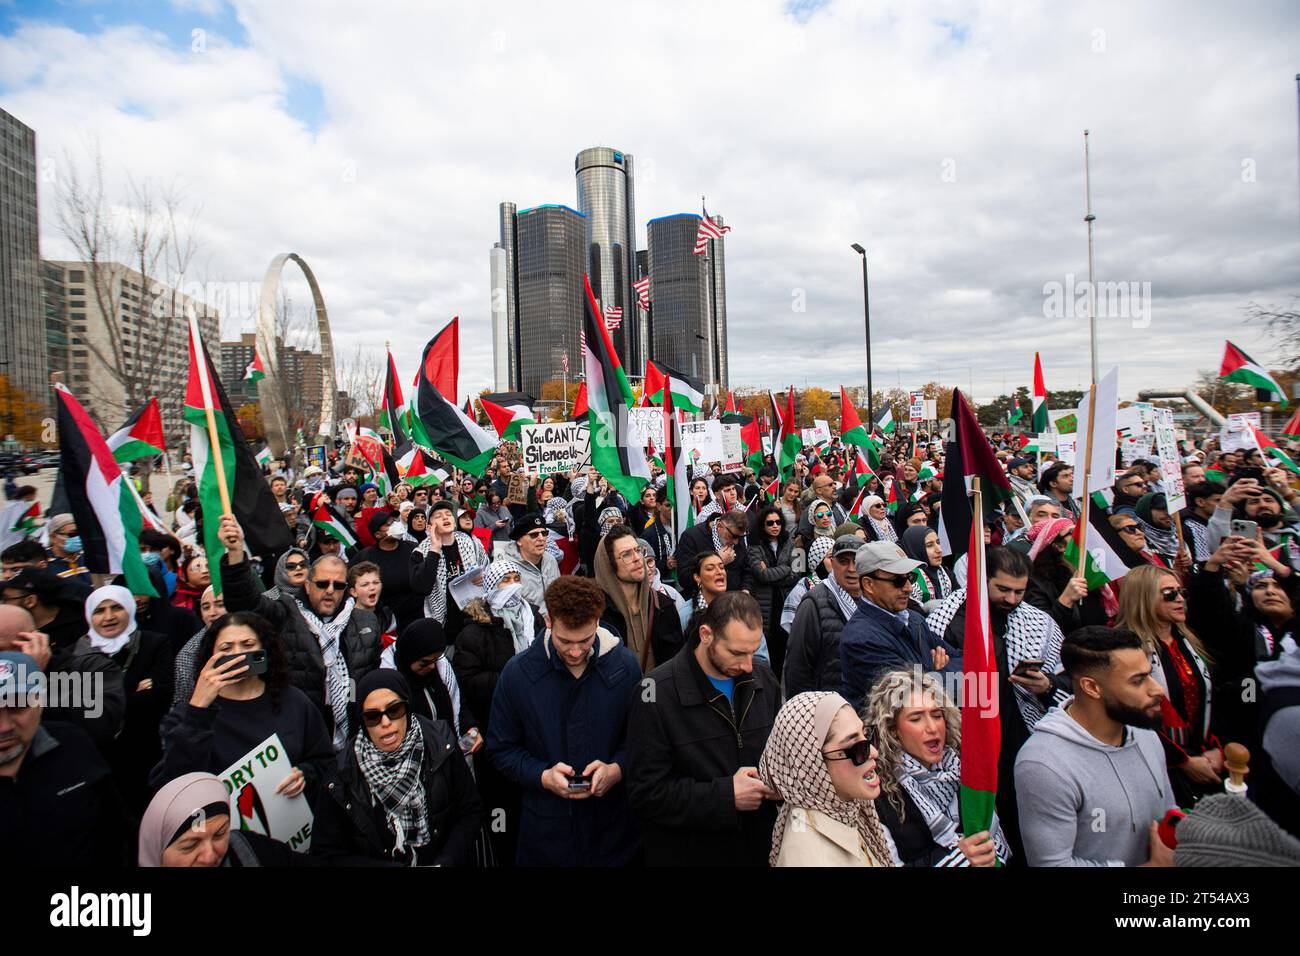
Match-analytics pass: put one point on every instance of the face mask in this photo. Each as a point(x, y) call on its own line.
point(151, 558)
point(396, 530)
point(502, 598)
point(73, 545)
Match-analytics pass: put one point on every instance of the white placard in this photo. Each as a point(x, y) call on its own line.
point(646, 426)
point(702, 442)
point(1065, 445)
point(819, 434)
point(931, 410)
point(1171, 462)
point(1140, 445)
point(553, 447)
point(254, 805)
point(733, 449)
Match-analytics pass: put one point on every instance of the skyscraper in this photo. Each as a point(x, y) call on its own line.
point(606, 197)
point(688, 294)
point(536, 271)
point(23, 356)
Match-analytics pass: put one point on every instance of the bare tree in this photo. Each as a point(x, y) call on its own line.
point(362, 376)
point(1283, 325)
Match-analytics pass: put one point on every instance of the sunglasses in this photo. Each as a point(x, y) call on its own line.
point(1172, 594)
point(294, 565)
point(330, 585)
point(821, 514)
point(539, 533)
point(1129, 529)
point(394, 712)
point(774, 523)
point(859, 753)
point(899, 581)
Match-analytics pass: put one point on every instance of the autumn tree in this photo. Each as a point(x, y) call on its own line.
point(19, 415)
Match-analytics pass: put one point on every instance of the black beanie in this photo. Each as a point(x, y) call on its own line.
point(382, 678)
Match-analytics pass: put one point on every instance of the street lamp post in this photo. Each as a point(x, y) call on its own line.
point(866, 312)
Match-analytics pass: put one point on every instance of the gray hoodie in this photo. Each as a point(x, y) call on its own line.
point(1086, 803)
point(1282, 734)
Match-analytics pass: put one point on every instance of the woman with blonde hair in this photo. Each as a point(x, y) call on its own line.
point(1153, 604)
point(819, 759)
point(917, 729)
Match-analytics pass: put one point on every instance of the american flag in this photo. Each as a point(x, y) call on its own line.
point(642, 287)
point(564, 360)
point(708, 230)
point(613, 317)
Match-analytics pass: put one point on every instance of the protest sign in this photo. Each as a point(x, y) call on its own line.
point(517, 493)
point(316, 456)
point(702, 442)
point(645, 427)
point(1065, 447)
point(916, 406)
point(254, 805)
point(733, 450)
point(553, 447)
point(1171, 462)
point(819, 434)
point(1141, 445)
point(1067, 424)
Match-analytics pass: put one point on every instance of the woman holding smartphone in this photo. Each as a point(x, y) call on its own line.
point(241, 697)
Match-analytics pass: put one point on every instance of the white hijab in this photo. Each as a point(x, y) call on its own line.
point(119, 595)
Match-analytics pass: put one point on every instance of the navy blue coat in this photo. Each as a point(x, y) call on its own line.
point(875, 641)
point(542, 716)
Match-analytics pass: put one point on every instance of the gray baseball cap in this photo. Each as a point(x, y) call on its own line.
point(884, 556)
point(846, 544)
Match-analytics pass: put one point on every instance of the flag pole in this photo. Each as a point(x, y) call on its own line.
point(1087, 466)
point(975, 563)
point(201, 367)
point(1089, 218)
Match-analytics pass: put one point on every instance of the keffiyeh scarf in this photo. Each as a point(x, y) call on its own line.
point(338, 687)
point(884, 529)
point(848, 604)
point(395, 785)
point(1162, 540)
point(936, 793)
point(471, 555)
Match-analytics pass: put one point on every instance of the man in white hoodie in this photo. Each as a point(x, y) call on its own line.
point(1091, 782)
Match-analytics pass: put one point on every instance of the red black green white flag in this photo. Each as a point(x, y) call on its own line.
point(437, 422)
point(1292, 427)
point(141, 436)
point(327, 520)
point(254, 371)
point(579, 413)
point(981, 727)
point(1039, 419)
point(688, 392)
point(968, 455)
point(508, 412)
point(852, 431)
point(1239, 367)
point(394, 414)
point(1270, 450)
point(615, 453)
point(787, 443)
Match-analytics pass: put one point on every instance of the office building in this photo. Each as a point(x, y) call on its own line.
point(606, 196)
point(688, 298)
point(302, 383)
point(23, 353)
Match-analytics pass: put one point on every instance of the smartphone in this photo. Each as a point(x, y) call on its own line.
point(256, 662)
point(1244, 528)
point(1251, 472)
point(1024, 667)
point(578, 782)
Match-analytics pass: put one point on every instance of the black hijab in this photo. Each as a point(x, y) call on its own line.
point(420, 639)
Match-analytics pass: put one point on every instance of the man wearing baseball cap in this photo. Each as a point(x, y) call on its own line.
point(812, 657)
point(1021, 472)
point(527, 548)
point(887, 634)
point(65, 547)
point(58, 805)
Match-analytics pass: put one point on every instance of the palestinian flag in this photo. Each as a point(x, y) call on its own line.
point(264, 456)
point(1039, 420)
point(859, 507)
point(1109, 558)
point(325, 518)
point(469, 409)
point(1216, 475)
point(418, 468)
point(851, 430)
point(1271, 450)
point(619, 460)
point(255, 371)
point(677, 467)
point(107, 514)
point(141, 436)
point(251, 501)
point(1292, 428)
point(579, 413)
point(751, 442)
point(688, 392)
point(394, 415)
point(378, 460)
point(18, 522)
point(862, 470)
point(788, 442)
point(891, 502)
point(652, 385)
point(1239, 367)
point(969, 455)
point(886, 421)
point(1014, 412)
point(731, 408)
point(437, 422)
point(507, 411)
point(981, 726)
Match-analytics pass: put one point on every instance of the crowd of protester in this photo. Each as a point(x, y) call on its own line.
point(564, 677)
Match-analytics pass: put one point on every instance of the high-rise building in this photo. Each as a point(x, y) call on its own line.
point(301, 386)
point(537, 272)
point(23, 355)
point(145, 350)
point(606, 197)
point(688, 296)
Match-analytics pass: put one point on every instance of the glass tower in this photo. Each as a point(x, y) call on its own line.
point(23, 355)
point(606, 199)
point(688, 296)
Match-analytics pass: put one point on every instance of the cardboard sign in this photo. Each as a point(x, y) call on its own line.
point(819, 434)
point(254, 805)
point(733, 450)
point(552, 447)
point(517, 493)
point(702, 442)
point(1171, 462)
point(646, 426)
point(1067, 424)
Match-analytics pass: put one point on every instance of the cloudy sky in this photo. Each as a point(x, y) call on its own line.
point(377, 139)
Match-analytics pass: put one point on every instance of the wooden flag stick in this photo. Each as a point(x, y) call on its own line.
point(201, 366)
point(1087, 467)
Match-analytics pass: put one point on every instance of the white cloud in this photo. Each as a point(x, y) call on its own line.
point(945, 137)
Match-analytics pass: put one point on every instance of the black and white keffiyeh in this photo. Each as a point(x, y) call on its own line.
point(1199, 538)
point(937, 794)
point(338, 688)
point(884, 529)
point(1162, 540)
point(1031, 635)
point(472, 555)
point(848, 604)
point(395, 785)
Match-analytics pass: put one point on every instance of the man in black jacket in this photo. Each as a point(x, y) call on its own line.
point(724, 534)
point(696, 730)
point(812, 656)
point(329, 641)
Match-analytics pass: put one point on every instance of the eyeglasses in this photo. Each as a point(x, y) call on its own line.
point(294, 565)
point(1135, 483)
point(1172, 594)
point(899, 581)
point(1129, 529)
point(537, 533)
point(773, 523)
point(330, 585)
point(627, 557)
point(394, 712)
point(859, 753)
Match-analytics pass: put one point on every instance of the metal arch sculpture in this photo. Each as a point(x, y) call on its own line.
point(266, 348)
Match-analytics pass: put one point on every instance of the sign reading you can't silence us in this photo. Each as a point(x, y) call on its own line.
point(553, 447)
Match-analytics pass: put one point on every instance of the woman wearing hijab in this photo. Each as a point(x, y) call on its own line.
point(820, 760)
point(877, 525)
point(146, 661)
point(290, 574)
point(816, 569)
point(931, 581)
point(917, 728)
point(417, 526)
point(187, 823)
point(211, 607)
point(420, 656)
point(237, 704)
point(404, 794)
point(194, 575)
point(823, 521)
point(1158, 527)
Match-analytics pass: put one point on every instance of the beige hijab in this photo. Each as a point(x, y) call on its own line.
point(637, 617)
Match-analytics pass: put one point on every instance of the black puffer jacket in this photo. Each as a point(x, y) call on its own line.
point(360, 641)
point(773, 583)
point(482, 650)
point(812, 658)
point(350, 828)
